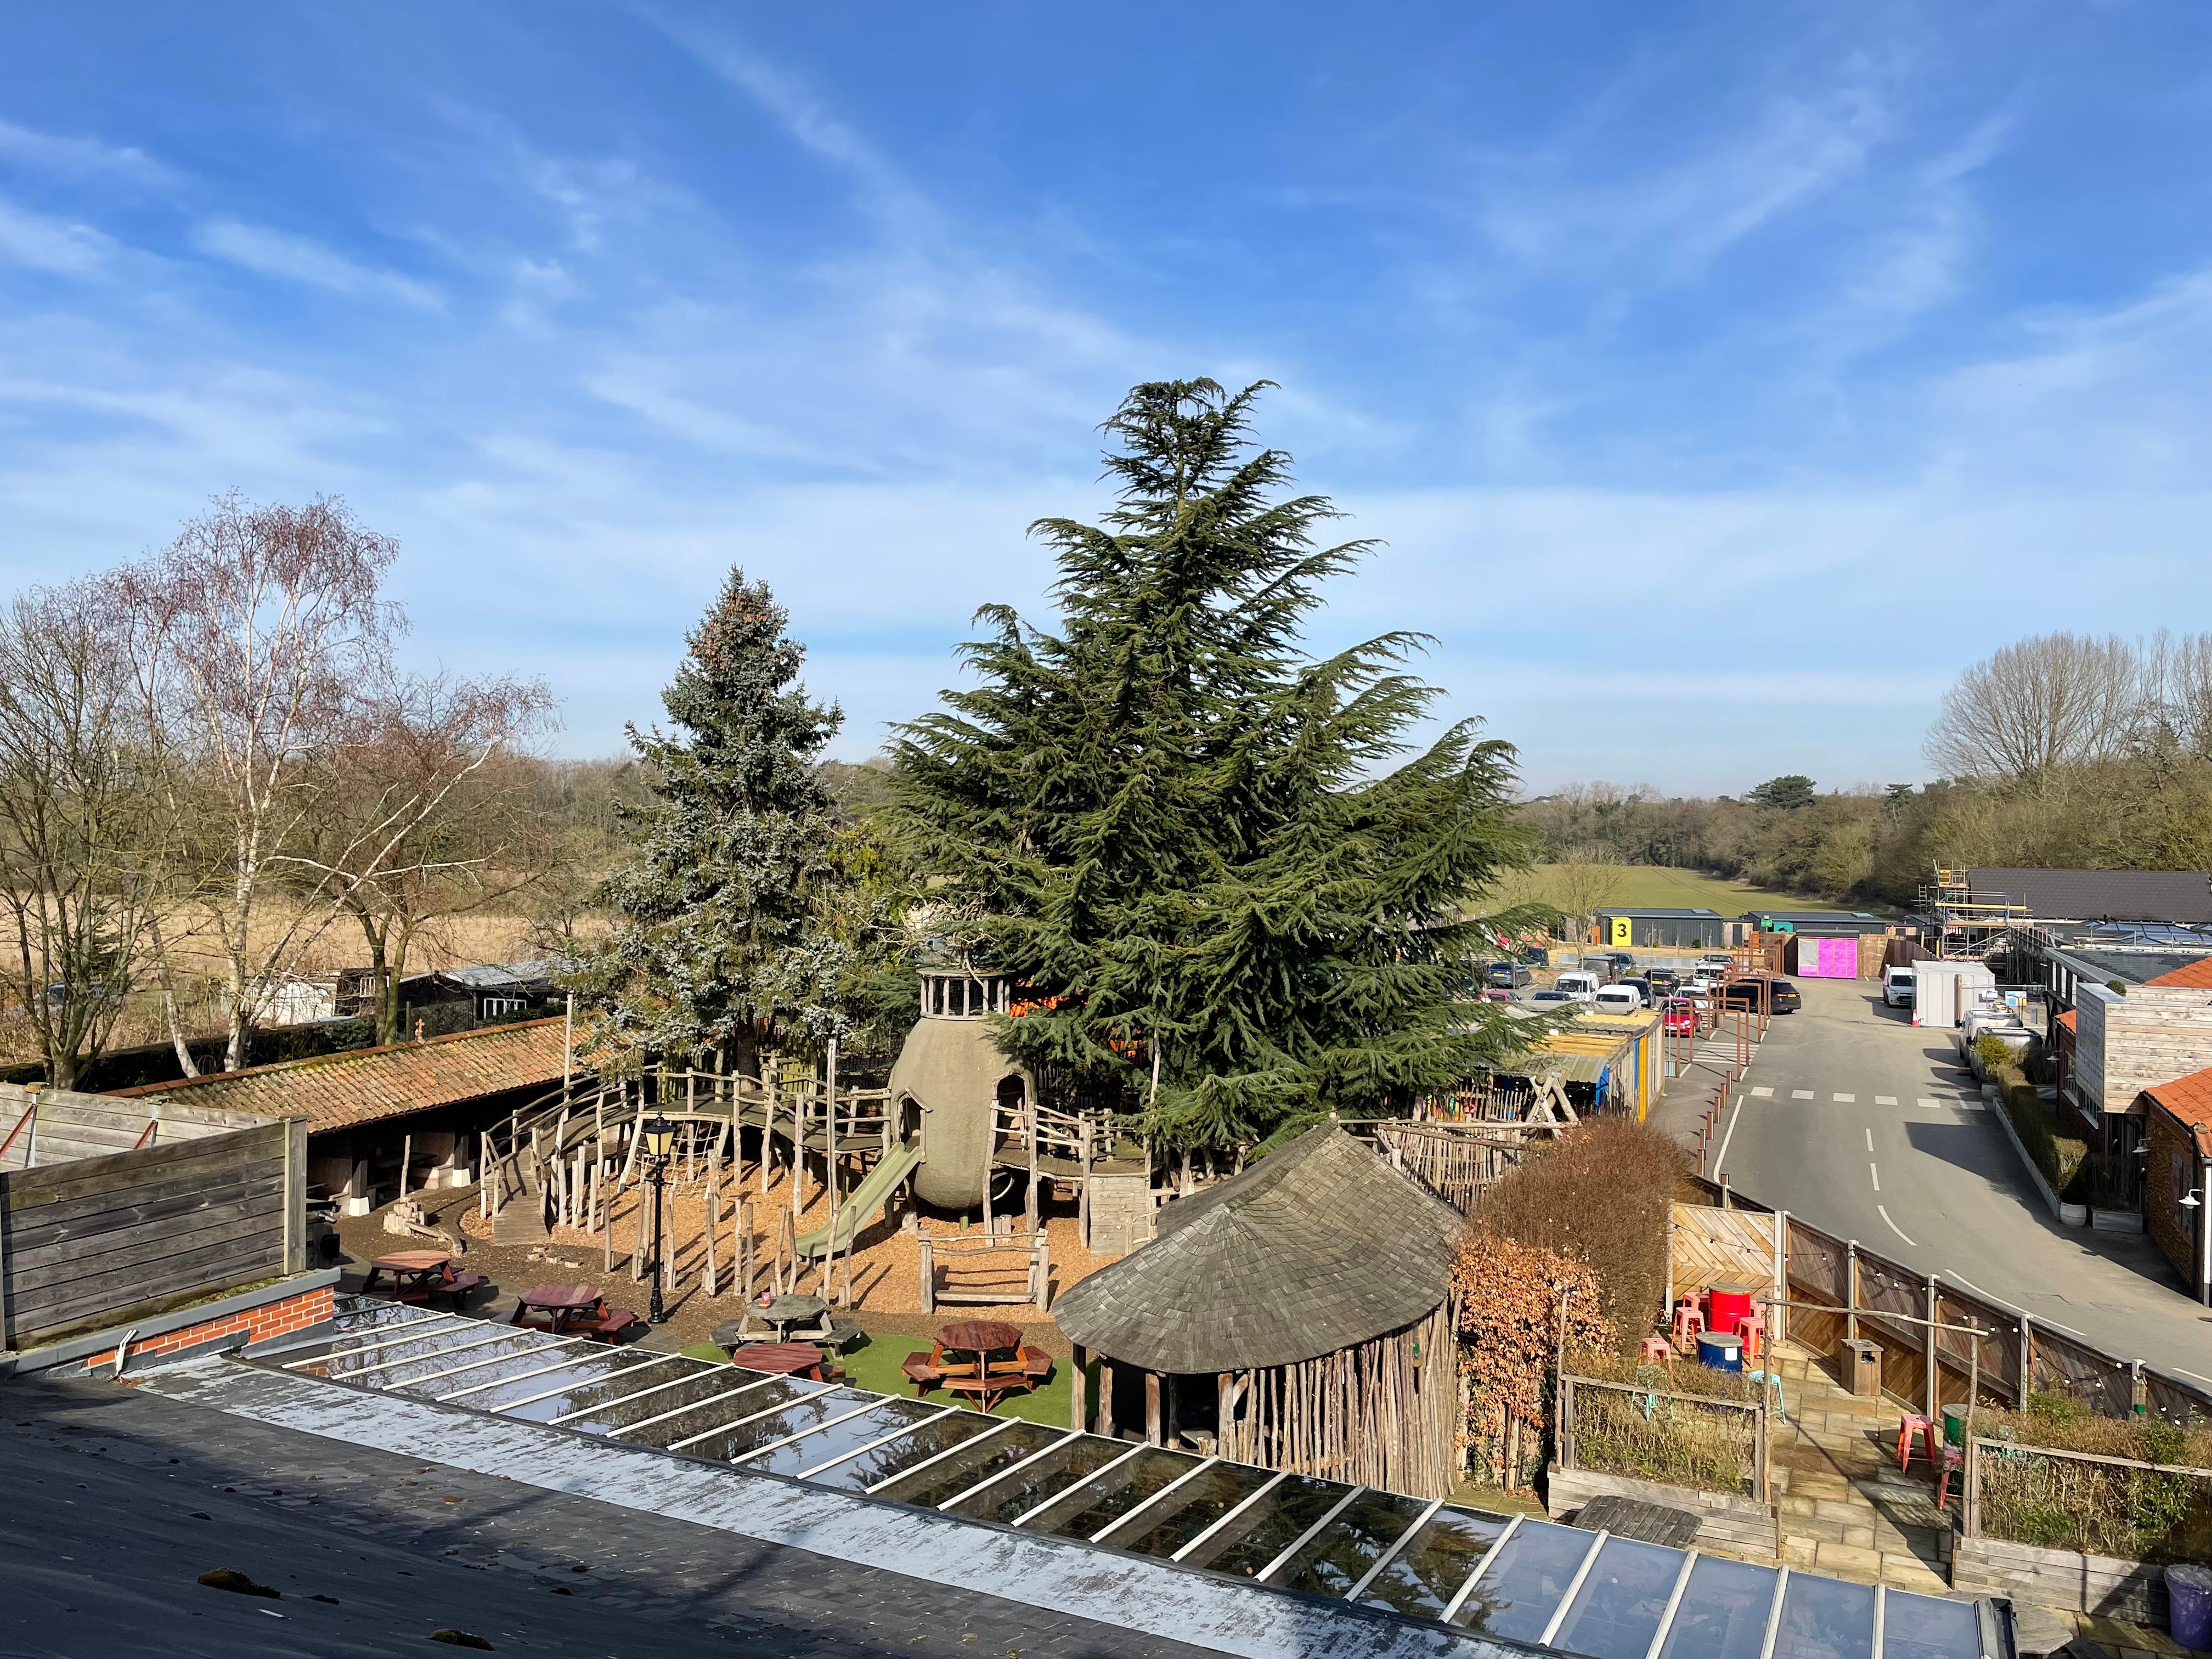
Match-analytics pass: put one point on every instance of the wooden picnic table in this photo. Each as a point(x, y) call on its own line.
point(784, 1359)
point(562, 1307)
point(990, 1380)
point(416, 1275)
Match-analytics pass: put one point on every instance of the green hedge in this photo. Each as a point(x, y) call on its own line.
point(2058, 1155)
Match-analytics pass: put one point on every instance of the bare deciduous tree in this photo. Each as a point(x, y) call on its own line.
point(424, 814)
point(2053, 701)
point(71, 805)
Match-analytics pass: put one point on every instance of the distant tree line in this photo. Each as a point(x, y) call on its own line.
point(2060, 750)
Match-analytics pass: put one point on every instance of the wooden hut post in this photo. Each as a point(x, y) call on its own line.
point(741, 1246)
point(1225, 1414)
point(1105, 1419)
point(829, 1142)
point(707, 1282)
point(1079, 1394)
point(1153, 1428)
point(798, 1152)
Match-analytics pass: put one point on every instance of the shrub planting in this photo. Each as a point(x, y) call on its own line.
point(1514, 1299)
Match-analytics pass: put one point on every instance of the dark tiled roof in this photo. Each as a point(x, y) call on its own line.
point(2182, 895)
point(361, 1085)
point(1318, 1247)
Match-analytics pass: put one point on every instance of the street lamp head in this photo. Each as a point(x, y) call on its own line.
point(659, 1136)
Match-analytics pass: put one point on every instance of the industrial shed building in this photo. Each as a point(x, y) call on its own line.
point(1658, 928)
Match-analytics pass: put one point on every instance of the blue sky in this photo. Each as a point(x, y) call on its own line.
point(1721, 378)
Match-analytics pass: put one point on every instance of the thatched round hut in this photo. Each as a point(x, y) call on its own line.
point(951, 1066)
point(1298, 1316)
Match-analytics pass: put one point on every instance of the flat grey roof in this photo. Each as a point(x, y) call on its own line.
point(1669, 912)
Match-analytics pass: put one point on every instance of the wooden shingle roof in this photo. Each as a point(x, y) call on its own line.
point(362, 1086)
point(1319, 1246)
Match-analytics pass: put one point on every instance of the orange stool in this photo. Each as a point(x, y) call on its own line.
point(1751, 1327)
point(1689, 1323)
point(1911, 1428)
point(1656, 1351)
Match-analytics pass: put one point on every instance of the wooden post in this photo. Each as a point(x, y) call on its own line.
point(741, 1246)
point(1030, 1207)
point(708, 1281)
point(2026, 1363)
point(928, 1276)
point(829, 1142)
point(798, 1152)
point(1777, 1315)
point(1931, 1360)
point(406, 1157)
point(1225, 1414)
point(1083, 1197)
point(1105, 1418)
point(295, 1195)
point(1153, 1435)
point(569, 1045)
point(1851, 1291)
point(1078, 1398)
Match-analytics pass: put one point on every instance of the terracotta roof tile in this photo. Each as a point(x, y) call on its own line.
point(2067, 1019)
point(2189, 1101)
point(2196, 976)
point(362, 1086)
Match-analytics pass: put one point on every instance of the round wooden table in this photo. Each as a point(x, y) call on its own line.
point(783, 1360)
point(978, 1336)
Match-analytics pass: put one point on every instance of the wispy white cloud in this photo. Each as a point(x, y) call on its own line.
point(70, 157)
point(36, 241)
point(288, 257)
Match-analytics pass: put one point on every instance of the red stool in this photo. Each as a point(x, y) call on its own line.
point(1952, 1459)
point(1911, 1428)
point(1751, 1327)
point(1689, 1323)
point(1656, 1351)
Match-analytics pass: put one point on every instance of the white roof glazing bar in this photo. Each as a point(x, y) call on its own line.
point(465, 1347)
point(410, 1333)
point(1100, 1472)
point(735, 1422)
point(1450, 1615)
point(1674, 1604)
point(1880, 1612)
point(497, 1359)
point(1391, 1554)
point(623, 1399)
point(1574, 1589)
point(533, 1398)
point(885, 1440)
point(561, 1365)
point(1308, 1535)
point(410, 1327)
point(994, 1479)
point(1203, 1537)
point(1774, 1613)
point(938, 1457)
point(1123, 1520)
point(743, 1458)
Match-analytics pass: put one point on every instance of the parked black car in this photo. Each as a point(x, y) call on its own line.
point(1745, 993)
point(1509, 975)
point(1663, 979)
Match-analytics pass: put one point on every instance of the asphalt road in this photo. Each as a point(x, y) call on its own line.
point(1868, 1128)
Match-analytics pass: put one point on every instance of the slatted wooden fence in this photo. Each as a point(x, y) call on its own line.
point(100, 1241)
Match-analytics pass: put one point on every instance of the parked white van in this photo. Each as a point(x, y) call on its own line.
point(1582, 988)
point(1896, 987)
point(1618, 1000)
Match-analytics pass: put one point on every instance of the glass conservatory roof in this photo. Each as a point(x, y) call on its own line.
point(1517, 1579)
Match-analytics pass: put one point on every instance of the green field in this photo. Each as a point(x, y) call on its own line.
point(1651, 884)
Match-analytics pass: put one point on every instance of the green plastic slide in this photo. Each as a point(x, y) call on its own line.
point(859, 1207)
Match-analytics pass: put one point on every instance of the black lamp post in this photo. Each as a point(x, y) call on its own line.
point(658, 1135)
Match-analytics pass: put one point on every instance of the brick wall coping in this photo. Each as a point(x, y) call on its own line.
point(77, 1348)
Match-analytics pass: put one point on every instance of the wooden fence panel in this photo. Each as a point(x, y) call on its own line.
point(1999, 1351)
point(1457, 1165)
point(2063, 1365)
point(1716, 1247)
point(98, 1240)
point(1816, 1263)
point(2176, 1401)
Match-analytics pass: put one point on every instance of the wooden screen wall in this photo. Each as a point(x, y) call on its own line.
point(98, 1241)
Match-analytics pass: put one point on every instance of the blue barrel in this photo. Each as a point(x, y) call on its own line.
point(1721, 1350)
point(2189, 1592)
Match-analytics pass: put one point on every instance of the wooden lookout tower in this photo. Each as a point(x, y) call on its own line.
point(950, 1069)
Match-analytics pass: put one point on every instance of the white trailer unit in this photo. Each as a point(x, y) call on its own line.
point(1943, 992)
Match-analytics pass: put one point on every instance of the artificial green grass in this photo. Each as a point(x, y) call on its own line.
point(873, 1363)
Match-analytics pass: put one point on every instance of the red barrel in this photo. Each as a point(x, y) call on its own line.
point(1730, 1303)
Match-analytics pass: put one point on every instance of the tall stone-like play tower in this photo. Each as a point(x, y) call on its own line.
point(950, 1068)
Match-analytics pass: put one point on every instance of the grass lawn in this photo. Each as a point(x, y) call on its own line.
point(1643, 885)
point(874, 1365)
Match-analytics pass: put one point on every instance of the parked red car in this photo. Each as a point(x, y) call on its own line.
point(1681, 1017)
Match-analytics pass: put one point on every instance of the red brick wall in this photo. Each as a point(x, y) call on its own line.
point(293, 1313)
point(2166, 1141)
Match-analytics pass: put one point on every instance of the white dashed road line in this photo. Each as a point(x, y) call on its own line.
point(1876, 1175)
point(1763, 1094)
point(1721, 1163)
point(1885, 1100)
point(1883, 1211)
point(2199, 1376)
point(1801, 1094)
point(1847, 1100)
point(1869, 1134)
